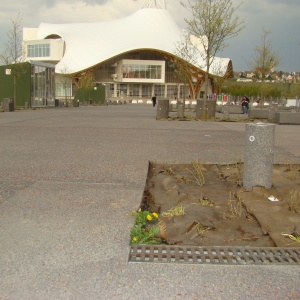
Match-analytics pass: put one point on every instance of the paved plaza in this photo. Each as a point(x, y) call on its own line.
point(69, 178)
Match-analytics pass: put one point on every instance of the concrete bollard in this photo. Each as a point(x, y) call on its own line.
point(180, 110)
point(259, 155)
point(210, 109)
point(162, 109)
point(226, 112)
point(272, 112)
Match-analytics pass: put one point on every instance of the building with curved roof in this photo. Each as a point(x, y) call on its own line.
point(133, 56)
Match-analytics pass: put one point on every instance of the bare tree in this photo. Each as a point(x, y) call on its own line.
point(264, 60)
point(65, 79)
point(14, 53)
point(183, 63)
point(213, 22)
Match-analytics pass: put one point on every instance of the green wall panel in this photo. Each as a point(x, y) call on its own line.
point(23, 85)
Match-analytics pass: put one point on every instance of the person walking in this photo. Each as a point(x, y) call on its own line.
point(154, 100)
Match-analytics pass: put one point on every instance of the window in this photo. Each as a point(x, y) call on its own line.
point(172, 91)
point(134, 90)
point(39, 50)
point(159, 90)
point(122, 89)
point(142, 71)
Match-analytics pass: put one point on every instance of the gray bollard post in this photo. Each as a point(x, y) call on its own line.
point(162, 109)
point(226, 112)
point(210, 109)
point(180, 110)
point(199, 109)
point(272, 112)
point(259, 155)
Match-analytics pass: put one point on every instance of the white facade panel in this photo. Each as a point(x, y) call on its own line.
point(30, 34)
point(89, 44)
point(50, 50)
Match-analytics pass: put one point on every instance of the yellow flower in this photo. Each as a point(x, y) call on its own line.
point(149, 217)
point(134, 239)
point(155, 215)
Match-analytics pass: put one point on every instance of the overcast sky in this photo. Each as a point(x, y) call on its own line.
point(281, 17)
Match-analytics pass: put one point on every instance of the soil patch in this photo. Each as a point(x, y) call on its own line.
point(213, 209)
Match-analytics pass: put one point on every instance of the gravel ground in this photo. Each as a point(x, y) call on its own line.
point(69, 178)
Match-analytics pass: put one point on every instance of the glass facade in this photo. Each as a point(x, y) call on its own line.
point(172, 91)
point(134, 90)
point(141, 73)
point(159, 90)
point(146, 90)
point(39, 50)
point(137, 71)
point(42, 86)
point(63, 90)
point(121, 90)
point(184, 90)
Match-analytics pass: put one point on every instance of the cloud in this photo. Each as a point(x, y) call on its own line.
point(278, 16)
point(80, 11)
point(35, 12)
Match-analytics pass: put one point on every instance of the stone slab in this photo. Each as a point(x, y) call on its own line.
point(287, 118)
point(257, 113)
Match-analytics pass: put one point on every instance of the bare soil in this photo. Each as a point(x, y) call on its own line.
point(221, 212)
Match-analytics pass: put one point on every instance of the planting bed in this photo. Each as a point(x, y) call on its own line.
point(215, 210)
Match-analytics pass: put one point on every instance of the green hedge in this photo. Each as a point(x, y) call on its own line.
point(266, 89)
point(85, 95)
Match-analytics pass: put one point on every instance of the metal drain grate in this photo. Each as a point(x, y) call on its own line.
point(214, 255)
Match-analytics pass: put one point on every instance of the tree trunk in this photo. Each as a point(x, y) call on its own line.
point(184, 94)
point(205, 91)
point(15, 92)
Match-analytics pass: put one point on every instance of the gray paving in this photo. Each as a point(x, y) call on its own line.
point(69, 178)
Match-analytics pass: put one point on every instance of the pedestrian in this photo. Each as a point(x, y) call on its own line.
point(154, 100)
point(245, 104)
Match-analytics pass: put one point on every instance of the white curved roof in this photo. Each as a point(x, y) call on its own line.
point(88, 44)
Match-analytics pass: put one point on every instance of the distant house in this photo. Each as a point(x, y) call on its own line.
point(290, 79)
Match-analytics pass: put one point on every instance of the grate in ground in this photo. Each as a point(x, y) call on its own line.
point(214, 255)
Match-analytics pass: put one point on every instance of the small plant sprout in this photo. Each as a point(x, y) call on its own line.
point(293, 236)
point(197, 172)
point(175, 211)
point(235, 207)
point(168, 171)
point(239, 172)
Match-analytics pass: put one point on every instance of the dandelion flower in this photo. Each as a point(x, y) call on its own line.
point(134, 239)
point(155, 215)
point(149, 217)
